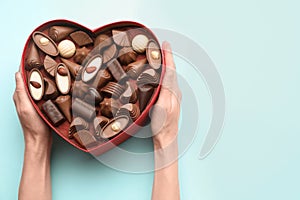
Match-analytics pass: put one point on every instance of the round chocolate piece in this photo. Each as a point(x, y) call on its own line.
point(91, 68)
point(40, 39)
point(139, 43)
point(153, 54)
point(66, 48)
point(36, 84)
point(114, 127)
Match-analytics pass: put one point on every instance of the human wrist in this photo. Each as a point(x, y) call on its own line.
point(38, 144)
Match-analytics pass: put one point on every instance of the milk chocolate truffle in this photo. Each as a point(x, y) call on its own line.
point(131, 110)
point(113, 89)
point(45, 43)
point(79, 89)
point(121, 38)
point(81, 55)
point(153, 54)
point(81, 38)
point(53, 113)
point(145, 93)
point(139, 43)
point(85, 138)
point(99, 123)
point(91, 69)
point(129, 96)
point(117, 71)
point(58, 33)
point(115, 126)
point(148, 77)
point(135, 69)
point(74, 68)
point(33, 60)
point(83, 109)
point(50, 89)
point(93, 97)
point(66, 48)
point(126, 55)
point(109, 107)
point(76, 125)
point(110, 53)
point(64, 104)
point(63, 78)
point(102, 41)
point(50, 65)
point(36, 84)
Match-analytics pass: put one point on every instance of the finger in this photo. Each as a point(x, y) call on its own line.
point(168, 56)
point(20, 86)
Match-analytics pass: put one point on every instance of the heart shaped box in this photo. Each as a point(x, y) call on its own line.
point(63, 129)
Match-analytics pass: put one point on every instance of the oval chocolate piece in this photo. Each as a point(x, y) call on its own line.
point(45, 43)
point(36, 84)
point(114, 127)
point(91, 68)
point(153, 54)
point(62, 78)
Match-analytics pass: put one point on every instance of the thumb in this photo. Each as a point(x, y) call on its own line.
point(20, 86)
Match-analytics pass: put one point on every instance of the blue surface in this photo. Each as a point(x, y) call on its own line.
point(255, 45)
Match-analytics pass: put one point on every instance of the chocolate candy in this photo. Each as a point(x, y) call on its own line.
point(145, 93)
point(129, 96)
point(58, 33)
point(99, 123)
point(66, 48)
point(33, 60)
point(110, 53)
point(81, 38)
point(148, 77)
point(50, 89)
point(129, 109)
point(126, 55)
point(45, 43)
point(120, 38)
point(36, 84)
point(135, 69)
point(153, 54)
point(85, 138)
point(81, 55)
point(62, 78)
point(74, 68)
point(83, 109)
point(109, 107)
point(139, 43)
point(93, 97)
point(92, 67)
point(114, 127)
point(102, 41)
point(64, 103)
point(102, 78)
point(113, 89)
point(50, 65)
point(77, 124)
point(53, 113)
point(116, 70)
point(79, 89)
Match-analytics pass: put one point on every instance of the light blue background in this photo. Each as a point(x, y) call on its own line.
point(255, 45)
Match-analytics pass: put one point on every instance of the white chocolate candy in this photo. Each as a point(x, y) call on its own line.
point(139, 43)
point(44, 41)
point(91, 68)
point(66, 48)
point(63, 78)
point(36, 84)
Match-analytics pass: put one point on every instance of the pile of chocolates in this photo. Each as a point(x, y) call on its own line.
point(94, 85)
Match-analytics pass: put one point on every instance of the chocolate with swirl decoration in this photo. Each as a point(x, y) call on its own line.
point(58, 33)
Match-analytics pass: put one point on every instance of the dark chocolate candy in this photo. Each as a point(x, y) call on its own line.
point(76, 125)
point(99, 123)
point(117, 71)
point(50, 65)
point(81, 55)
point(129, 95)
point(121, 38)
point(58, 33)
point(83, 109)
point(74, 68)
point(50, 89)
point(126, 55)
point(153, 54)
point(81, 38)
point(113, 89)
point(109, 107)
point(134, 69)
point(85, 138)
point(53, 113)
point(148, 77)
point(145, 93)
point(110, 53)
point(64, 104)
point(45, 43)
point(33, 59)
point(102, 78)
point(129, 109)
point(115, 126)
point(93, 97)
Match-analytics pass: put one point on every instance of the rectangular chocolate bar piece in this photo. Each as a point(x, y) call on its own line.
point(53, 113)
